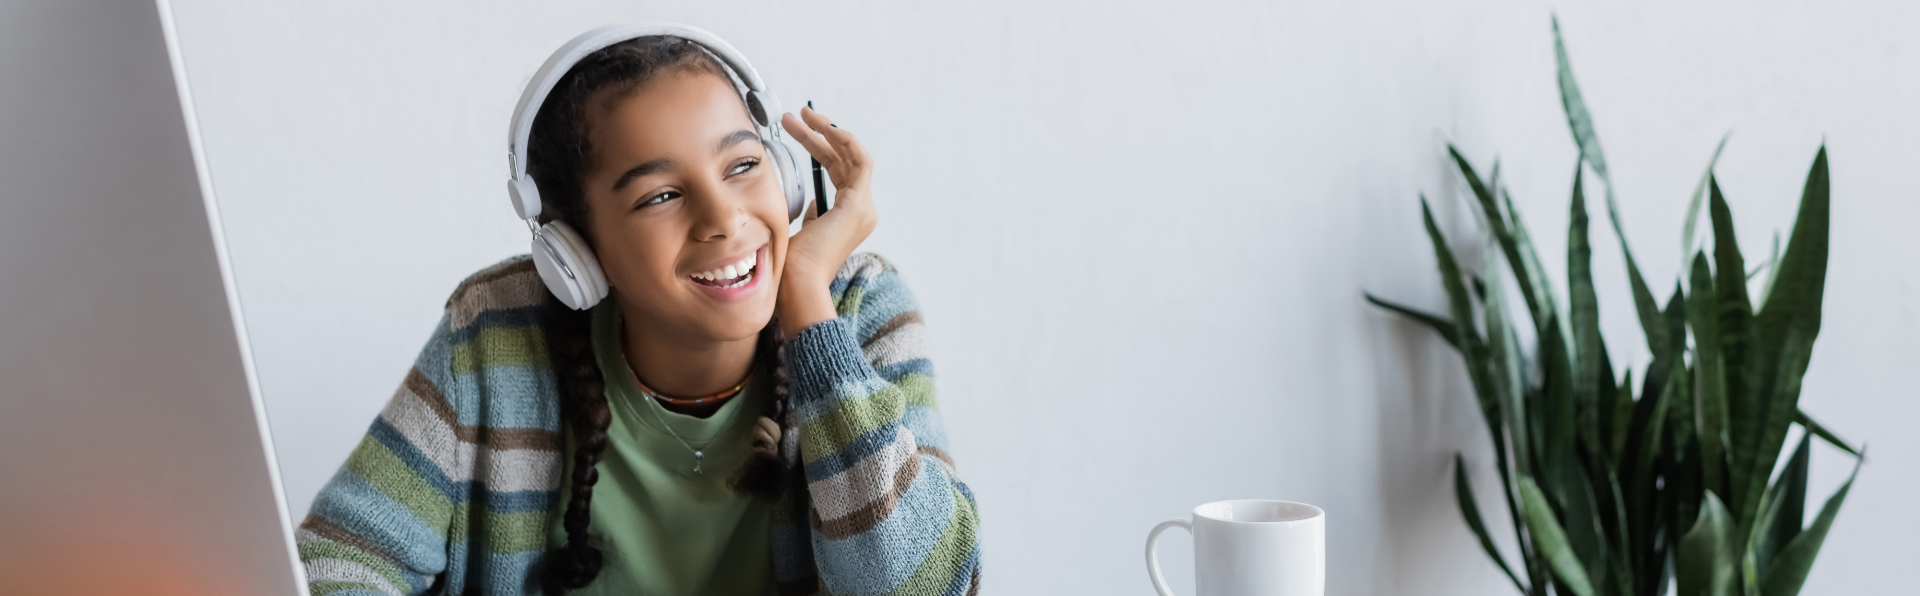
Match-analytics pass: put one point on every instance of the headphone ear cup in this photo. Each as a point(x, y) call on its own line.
point(557, 249)
point(764, 108)
point(587, 263)
point(792, 180)
point(548, 261)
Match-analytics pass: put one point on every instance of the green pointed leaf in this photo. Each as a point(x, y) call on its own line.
point(1687, 237)
point(1676, 317)
point(1603, 411)
point(1578, 118)
point(1552, 540)
point(1789, 570)
point(1622, 417)
point(1450, 278)
point(1470, 509)
point(1640, 474)
point(1536, 274)
point(1444, 327)
point(1823, 433)
point(1559, 415)
point(1509, 367)
point(1773, 267)
point(1584, 309)
point(1650, 322)
point(1482, 192)
point(1704, 565)
point(1620, 555)
point(1780, 344)
point(1730, 283)
point(1581, 520)
point(1783, 393)
point(1472, 348)
point(1709, 389)
point(1496, 222)
point(1785, 510)
point(1648, 422)
point(1745, 415)
point(1493, 177)
point(1680, 465)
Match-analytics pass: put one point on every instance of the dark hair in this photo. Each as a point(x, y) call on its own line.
point(558, 157)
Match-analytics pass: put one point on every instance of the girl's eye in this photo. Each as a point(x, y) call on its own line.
point(742, 167)
point(659, 198)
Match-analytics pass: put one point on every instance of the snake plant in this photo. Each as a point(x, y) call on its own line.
point(1622, 488)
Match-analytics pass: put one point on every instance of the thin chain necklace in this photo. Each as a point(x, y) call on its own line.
point(699, 453)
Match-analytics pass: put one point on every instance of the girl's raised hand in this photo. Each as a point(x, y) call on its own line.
point(824, 241)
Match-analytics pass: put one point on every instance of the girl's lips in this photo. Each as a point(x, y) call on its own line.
point(736, 293)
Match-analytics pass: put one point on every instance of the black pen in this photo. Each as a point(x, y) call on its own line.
point(819, 182)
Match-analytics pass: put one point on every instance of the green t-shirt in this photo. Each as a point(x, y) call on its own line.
point(663, 528)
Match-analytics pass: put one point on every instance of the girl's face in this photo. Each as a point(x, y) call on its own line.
point(686, 213)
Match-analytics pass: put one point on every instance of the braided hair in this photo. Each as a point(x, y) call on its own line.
point(559, 157)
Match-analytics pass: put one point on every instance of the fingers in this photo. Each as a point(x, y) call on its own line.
point(825, 240)
point(815, 144)
point(836, 149)
point(843, 142)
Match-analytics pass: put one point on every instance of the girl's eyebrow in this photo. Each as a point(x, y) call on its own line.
point(656, 166)
point(666, 164)
point(738, 137)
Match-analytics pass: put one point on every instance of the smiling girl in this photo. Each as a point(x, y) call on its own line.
point(746, 412)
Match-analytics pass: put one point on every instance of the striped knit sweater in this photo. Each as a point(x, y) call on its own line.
point(454, 487)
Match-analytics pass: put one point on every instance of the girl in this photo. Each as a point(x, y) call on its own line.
point(746, 412)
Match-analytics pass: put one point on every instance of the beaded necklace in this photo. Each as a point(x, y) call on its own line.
point(683, 401)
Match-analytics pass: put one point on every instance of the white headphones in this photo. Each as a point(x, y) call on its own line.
point(564, 261)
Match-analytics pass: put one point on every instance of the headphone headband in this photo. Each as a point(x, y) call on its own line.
point(564, 58)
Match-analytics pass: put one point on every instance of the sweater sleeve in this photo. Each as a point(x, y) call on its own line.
point(380, 525)
point(889, 514)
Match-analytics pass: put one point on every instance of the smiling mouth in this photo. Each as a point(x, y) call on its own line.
point(730, 276)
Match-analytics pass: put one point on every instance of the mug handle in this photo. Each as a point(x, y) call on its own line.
point(1153, 558)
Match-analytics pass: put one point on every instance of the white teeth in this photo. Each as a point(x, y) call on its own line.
point(741, 269)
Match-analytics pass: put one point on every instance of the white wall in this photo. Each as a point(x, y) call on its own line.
point(1139, 230)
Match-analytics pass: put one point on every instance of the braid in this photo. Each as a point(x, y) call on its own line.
point(765, 472)
point(583, 407)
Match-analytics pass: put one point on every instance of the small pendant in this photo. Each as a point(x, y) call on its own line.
point(697, 456)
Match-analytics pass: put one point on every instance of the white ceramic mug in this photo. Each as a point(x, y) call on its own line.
point(1251, 548)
